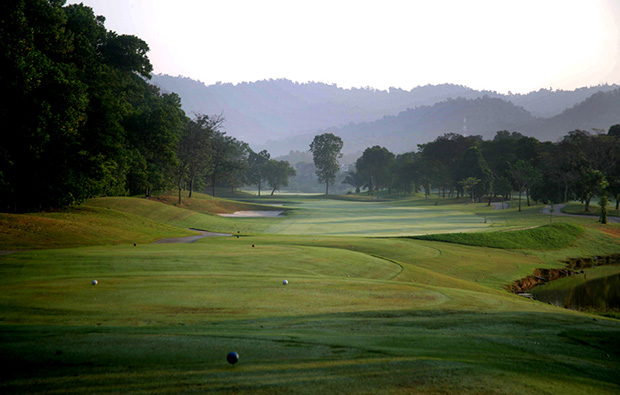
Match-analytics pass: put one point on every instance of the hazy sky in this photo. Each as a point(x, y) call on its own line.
point(516, 45)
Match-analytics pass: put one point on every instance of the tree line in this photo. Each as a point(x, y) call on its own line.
point(79, 118)
point(579, 166)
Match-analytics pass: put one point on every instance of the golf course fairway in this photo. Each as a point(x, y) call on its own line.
point(367, 309)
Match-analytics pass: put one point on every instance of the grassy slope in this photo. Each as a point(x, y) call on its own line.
point(547, 237)
point(359, 314)
point(123, 220)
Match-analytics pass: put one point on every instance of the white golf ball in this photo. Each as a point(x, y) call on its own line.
point(284, 282)
point(94, 282)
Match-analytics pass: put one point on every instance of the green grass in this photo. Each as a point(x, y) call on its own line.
point(360, 314)
point(547, 237)
point(594, 210)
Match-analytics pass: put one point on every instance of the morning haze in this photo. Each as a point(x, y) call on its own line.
point(432, 232)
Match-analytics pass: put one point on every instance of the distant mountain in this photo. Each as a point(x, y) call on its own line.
point(403, 132)
point(260, 110)
point(547, 103)
point(483, 116)
point(281, 115)
point(599, 111)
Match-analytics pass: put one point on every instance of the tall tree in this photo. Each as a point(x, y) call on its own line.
point(591, 182)
point(277, 173)
point(474, 165)
point(194, 152)
point(523, 176)
point(374, 164)
point(403, 179)
point(448, 150)
point(256, 168)
point(230, 161)
point(325, 150)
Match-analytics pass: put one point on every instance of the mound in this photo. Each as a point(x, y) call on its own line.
point(548, 237)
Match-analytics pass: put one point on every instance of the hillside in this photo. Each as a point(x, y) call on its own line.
point(281, 115)
point(403, 132)
point(278, 108)
point(599, 111)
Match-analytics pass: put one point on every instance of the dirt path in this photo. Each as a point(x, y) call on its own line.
point(191, 239)
point(557, 211)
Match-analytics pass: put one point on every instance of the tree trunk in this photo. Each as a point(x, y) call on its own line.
point(617, 201)
point(180, 189)
point(191, 186)
point(259, 189)
point(565, 192)
point(326, 188)
point(519, 200)
point(272, 191)
point(147, 192)
point(527, 195)
point(604, 202)
point(588, 204)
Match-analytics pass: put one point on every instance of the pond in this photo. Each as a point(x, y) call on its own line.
point(596, 290)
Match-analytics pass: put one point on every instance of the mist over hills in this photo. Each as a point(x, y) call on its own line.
point(281, 115)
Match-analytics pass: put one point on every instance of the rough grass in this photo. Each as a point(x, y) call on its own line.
point(81, 226)
point(124, 220)
point(548, 237)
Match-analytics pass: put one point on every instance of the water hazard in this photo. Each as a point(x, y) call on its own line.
point(600, 294)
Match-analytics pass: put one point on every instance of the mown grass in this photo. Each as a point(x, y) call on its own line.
point(547, 237)
point(595, 210)
point(163, 317)
point(360, 314)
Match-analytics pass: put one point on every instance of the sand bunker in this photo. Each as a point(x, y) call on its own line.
point(253, 214)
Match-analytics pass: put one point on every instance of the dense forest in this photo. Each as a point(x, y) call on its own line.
point(80, 119)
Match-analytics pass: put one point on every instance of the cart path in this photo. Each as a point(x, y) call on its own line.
point(560, 206)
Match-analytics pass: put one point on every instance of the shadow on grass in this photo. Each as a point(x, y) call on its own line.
point(371, 351)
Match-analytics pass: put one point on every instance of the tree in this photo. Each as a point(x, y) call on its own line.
point(604, 201)
point(277, 173)
point(614, 130)
point(523, 176)
point(375, 165)
point(354, 179)
point(591, 182)
point(403, 178)
point(448, 150)
point(325, 150)
point(256, 168)
point(194, 152)
point(468, 184)
point(474, 165)
point(83, 121)
point(232, 165)
point(502, 187)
